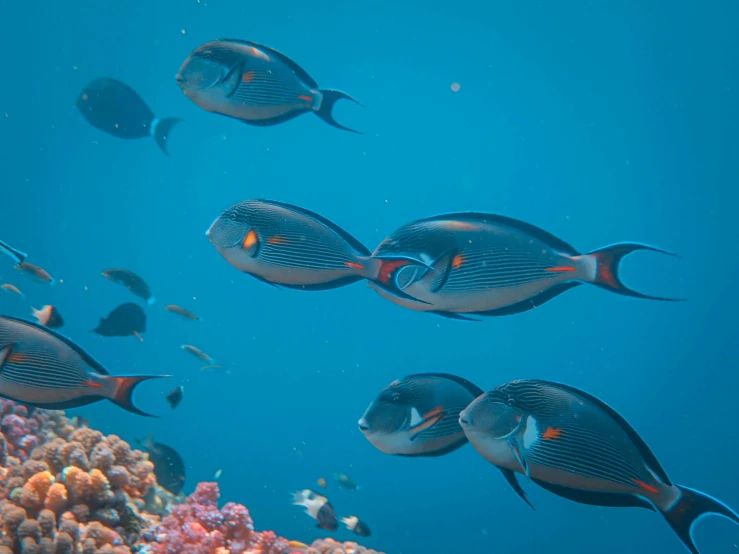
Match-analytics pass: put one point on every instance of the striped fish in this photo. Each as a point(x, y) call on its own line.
point(577, 447)
point(490, 265)
point(42, 368)
point(289, 246)
point(255, 84)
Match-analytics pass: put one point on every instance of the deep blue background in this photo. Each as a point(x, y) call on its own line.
point(598, 121)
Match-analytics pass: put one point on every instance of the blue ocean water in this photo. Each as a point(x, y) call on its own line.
point(598, 121)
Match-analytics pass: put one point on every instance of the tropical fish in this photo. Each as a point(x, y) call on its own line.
point(356, 526)
point(185, 314)
point(195, 351)
point(419, 415)
point(215, 368)
point(36, 273)
point(115, 108)
point(174, 397)
point(42, 368)
point(318, 507)
point(16, 255)
point(254, 84)
point(322, 483)
point(12, 289)
point(491, 265)
point(169, 468)
point(126, 320)
point(48, 316)
point(345, 482)
point(576, 446)
point(217, 474)
point(131, 281)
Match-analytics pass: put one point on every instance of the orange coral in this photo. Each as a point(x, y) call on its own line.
point(33, 493)
point(56, 498)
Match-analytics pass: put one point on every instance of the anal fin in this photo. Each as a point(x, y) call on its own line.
point(516, 486)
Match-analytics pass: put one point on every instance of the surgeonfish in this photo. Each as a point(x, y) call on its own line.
point(42, 368)
point(115, 108)
point(174, 397)
point(318, 507)
point(169, 467)
point(576, 446)
point(491, 265)
point(126, 320)
point(356, 526)
point(182, 312)
point(419, 415)
point(345, 482)
point(195, 351)
point(48, 316)
point(12, 289)
point(35, 273)
point(254, 84)
point(16, 255)
point(131, 281)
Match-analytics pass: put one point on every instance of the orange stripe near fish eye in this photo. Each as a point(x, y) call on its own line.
point(551, 433)
point(250, 240)
point(561, 269)
point(248, 76)
point(457, 261)
point(643, 485)
point(277, 239)
point(353, 265)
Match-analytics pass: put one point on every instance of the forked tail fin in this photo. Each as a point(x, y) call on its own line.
point(161, 131)
point(330, 97)
point(123, 395)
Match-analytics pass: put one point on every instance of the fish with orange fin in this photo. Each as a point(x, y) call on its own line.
point(48, 316)
point(12, 289)
point(182, 312)
point(42, 368)
point(288, 246)
point(492, 265)
point(126, 320)
point(418, 415)
point(254, 84)
point(577, 447)
point(35, 273)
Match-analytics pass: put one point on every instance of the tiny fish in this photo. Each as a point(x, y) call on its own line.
point(216, 368)
point(48, 316)
point(42, 368)
point(131, 281)
point(322, 483)
point(186, 314)
point(174, 397)
point(345, 482)
point(318, 507)
point(126, 320)
point(419, 415)
point(36, 273)
point(254, 84)
point(357, 526)
point(12, 289)
point(577, 447)
point(217, 474)
point(195, 351)
point(169, 467)
point(16, 255)
point(115, 108)
point(491, 265)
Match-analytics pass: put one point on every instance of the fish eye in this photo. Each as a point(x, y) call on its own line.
point(208, 55)
point(511, 401)
point(395, 397)
point(232, 216)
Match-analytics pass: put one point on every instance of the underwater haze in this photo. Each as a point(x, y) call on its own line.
point(600, 122)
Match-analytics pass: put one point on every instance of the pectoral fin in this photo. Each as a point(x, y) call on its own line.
point(515, 485)
point(429, 420)
point(519, 458)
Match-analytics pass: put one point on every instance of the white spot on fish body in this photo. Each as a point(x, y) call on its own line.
point(531, 433)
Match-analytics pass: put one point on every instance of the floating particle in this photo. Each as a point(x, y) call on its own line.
point(455, 87)
point(183, 32)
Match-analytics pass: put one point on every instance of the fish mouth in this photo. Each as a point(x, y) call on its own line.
point(363, 425)
point(179, 78)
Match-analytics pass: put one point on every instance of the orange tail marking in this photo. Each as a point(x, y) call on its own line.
point(250, 240)
point(643, 485)
point(457, 261)
point(562, 269)
point(306, 98)
point(277, 239)
point(93, 384)
point(551, 433)
point(353, 265)
point(388, 268)
point(248, 76)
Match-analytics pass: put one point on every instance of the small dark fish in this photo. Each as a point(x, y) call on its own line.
point(115, 108)
point(490, 265)
point(318, 507)
point(195, 351)
point(254, 84)
point(322, 482)
point(169, 468)
point(356, 526)
point(131, 281)
point(42, 368)
point(576, 446)
point(419, 415)
point(16, 255)
point(186, 314)
point(36, 273)
point(126, 320)
point(174, 397)
point(345, 482)
point(48, 316)
point(12, 289)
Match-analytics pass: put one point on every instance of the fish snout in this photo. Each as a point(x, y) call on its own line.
point(179, 78)
point(363, 425)
point(465, 419)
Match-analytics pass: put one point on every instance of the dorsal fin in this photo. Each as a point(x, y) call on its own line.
point(532, 230)
point(644, 450)
point(89, 360)
point(299, 71)
point(471, 387)
point(358, 246)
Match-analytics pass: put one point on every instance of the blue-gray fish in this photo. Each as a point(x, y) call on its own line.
point(115, 108)
point(42, 368)
point(254, 84)
point(14, 254)
point(491, 265)
point(419, 415)
point(576, 446)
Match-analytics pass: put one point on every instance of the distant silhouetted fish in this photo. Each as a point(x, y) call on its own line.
point(114, 107)
point(174, 397)
point(169, 468)
point(180, 311)
point(131, 281)
point(126, 320)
